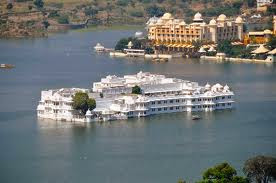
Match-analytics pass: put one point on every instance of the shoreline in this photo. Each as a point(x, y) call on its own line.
point(231, 59)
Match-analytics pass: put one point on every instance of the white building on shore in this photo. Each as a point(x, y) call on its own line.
point(159, 95)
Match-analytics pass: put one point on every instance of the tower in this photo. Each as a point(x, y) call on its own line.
point(213, 30)
point(239, 22)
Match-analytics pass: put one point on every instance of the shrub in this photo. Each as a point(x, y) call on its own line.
point(90, 11)
point(155, 11)
point(53, 14)
point(122, 2)
point(63, 19)
point(56, 5)
point(39, 3)
point(82, 102)
point(136, 14)
point(149, 50)
point(46, 24)
point(136, 90)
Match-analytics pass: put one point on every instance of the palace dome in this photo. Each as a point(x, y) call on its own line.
point(222, 17)
point(182, 22)
point(207, 86)
point(226, 88)
point(239, 20)
point(88, 113)
point(198, 17)
point(213, 22)
point(167, 16)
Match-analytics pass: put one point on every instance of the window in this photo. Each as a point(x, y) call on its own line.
point(171, 108)
point(176, 107)
point(223, 104)
point(152, 109)
point(193, 100)
point(171, 101)
point(159, 102)
point(177, 101)
point(152, 103)
point(229, 104)
point(183, 100)
point(229, 96)
point(165, 108)
point(159, 109)
point(193, 107)
point(165, 101)
point(222, 97)
point(199, 99)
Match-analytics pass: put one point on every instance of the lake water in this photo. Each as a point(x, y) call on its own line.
point(159, 149)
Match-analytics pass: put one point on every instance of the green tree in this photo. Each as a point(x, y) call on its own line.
point(197, 44)
point(162, 48)
point(82, 102)
point(46, 24)
point(261, 169)
point(222, 173)
point(272, 42)
point(155, 11)
point(39, 3)
point(149, 50)
point(91, 103)
point(225, 47)
point(136, 90)
point(121, 44)
point(63, 19)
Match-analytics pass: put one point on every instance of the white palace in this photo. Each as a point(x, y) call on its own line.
point(159, 95)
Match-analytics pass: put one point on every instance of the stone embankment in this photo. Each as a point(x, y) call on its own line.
point(229, 59)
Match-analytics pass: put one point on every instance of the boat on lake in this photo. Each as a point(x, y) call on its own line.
point(99, 48)
point(6, 66)
point(196, 117)
point(160, 59)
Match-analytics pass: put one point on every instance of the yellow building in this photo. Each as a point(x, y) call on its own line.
point(175, 33)
point(260, 37)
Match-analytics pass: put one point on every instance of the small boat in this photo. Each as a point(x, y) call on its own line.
point(160, 60)
point(196, 117)
point(99, 48)
point(6, 66)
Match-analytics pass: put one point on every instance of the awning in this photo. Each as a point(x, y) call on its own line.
point(273, 52)
point(260, 50)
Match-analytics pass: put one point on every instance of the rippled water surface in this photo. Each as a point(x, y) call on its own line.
point(155, 149)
